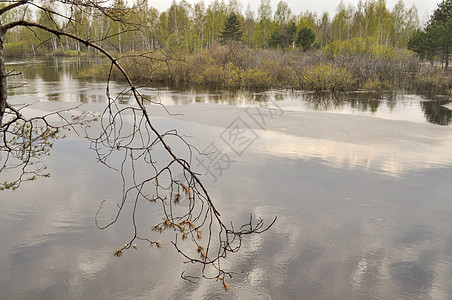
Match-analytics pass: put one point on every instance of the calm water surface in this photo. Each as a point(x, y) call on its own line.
point(361, 185)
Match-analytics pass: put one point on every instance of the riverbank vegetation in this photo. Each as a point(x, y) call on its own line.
point(237, 66)
point(364, 47)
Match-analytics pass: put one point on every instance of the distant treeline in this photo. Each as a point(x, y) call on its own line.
point(195, 27)
point(359, 48)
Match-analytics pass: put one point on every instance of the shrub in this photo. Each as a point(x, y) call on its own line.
point(327, 77)
point(256, 78)
point(356, 46)
point(57, 52)
point(16, 50)
point(432, 79)
point(61, 52)
point(365, 66)
point(96, 72)
point(376, 85)
point(373, 64)
point(71, 53)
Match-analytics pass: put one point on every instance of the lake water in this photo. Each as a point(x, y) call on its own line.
point(361, 185)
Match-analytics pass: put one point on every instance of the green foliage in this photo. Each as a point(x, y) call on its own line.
point(427, 44)
point(364, 66)
point(276, 40)
point(305, 38)
point(256, 78)
point(360, 40)
point(13, 50)
point(95, 72)
point(433, 80)
point(357, 46)
point(327, 77)
point(61, 52)
point(443, 13)
point(232, 29)
point(361, 47)
point(291, 32)
point(376, 85)
point(175, 42)
point(223, 68)
point(284, 36)
point(435, 41)
point(221, 76)
point(189, 28)
point(417, 43)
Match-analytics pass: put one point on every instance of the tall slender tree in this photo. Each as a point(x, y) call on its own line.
point(264, 15)
point(249, 26)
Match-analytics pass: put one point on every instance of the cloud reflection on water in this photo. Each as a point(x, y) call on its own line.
point(343, 231)
point(393, 160)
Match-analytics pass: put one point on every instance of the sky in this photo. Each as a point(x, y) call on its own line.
point(425, 7)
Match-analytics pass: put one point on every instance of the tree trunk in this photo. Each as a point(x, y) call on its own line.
point(33, 48)
point(447, 58)
point(119, 39)
point(3, 89)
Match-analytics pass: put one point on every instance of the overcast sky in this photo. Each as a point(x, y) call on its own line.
point(425, 7)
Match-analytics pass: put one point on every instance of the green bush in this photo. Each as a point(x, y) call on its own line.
point(433, 79)
point(356, 46)
point(71, 53)
point(376, 85)
point(16, 50)
point(96, 72)
point(57, 52)
point(327, 77)
point(256, 78)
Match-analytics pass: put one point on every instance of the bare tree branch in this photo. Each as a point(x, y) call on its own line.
point(13, 5)
point(128, 133)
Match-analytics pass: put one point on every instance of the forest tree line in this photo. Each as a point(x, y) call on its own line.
point(360, 47)
point(194, 27)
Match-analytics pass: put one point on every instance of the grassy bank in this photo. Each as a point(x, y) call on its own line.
point(342, 66)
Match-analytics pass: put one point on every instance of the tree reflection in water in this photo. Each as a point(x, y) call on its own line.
point(435, 109)
point(436, 112)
